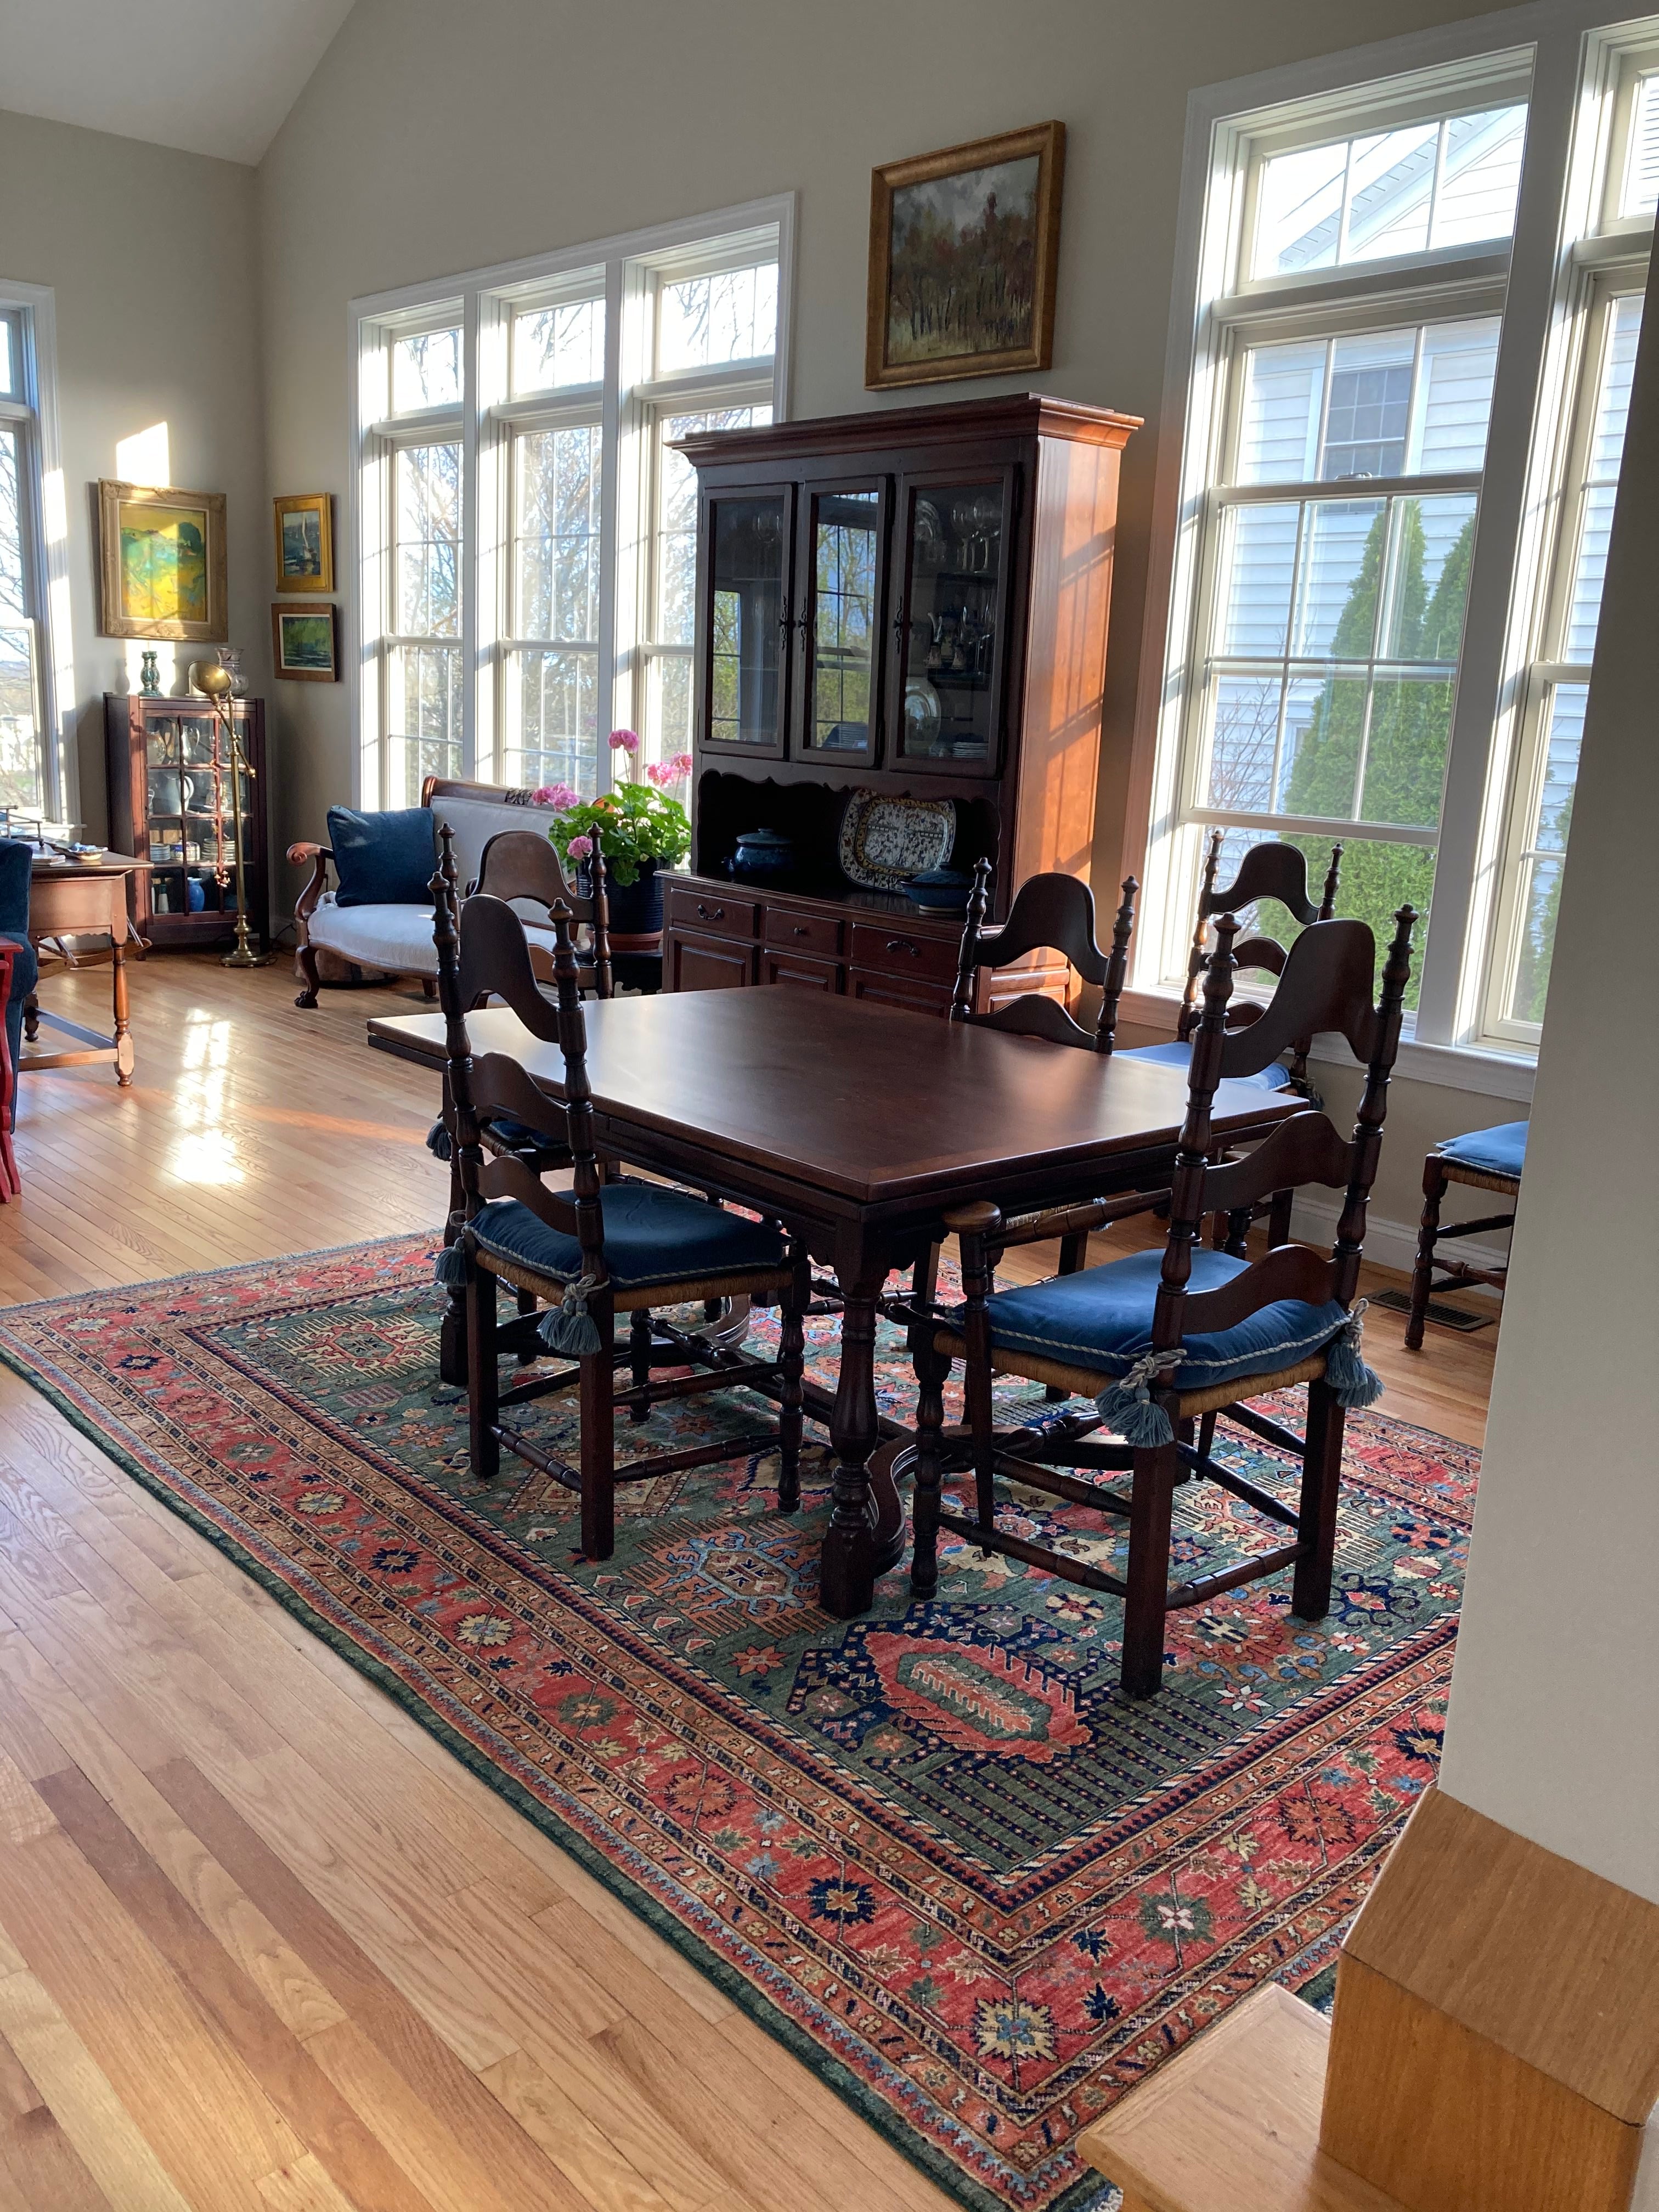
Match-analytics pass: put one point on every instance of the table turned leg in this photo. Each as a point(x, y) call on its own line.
point(848, 1573)
point(122, 1040)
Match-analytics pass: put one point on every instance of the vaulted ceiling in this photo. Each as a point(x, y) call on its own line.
point(214, 76)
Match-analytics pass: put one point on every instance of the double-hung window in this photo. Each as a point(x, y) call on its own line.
point(526, 534)
point(1402, 380)
point(33, 770)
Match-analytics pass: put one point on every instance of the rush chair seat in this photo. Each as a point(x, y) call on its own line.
point(1485, 1159)
point(1165, 1342)
point(592, 1252)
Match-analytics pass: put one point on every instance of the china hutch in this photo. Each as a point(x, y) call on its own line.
point(893, 609)
point(167, 807)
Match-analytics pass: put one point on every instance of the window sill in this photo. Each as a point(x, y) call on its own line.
point(1453, 1067)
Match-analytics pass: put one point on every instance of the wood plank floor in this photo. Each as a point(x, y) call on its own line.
point(263, 1943)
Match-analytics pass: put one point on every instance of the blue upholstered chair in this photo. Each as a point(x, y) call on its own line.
point(1486, 1159)
point(1166, 1342)
point(594, 1252)
point(15, 856)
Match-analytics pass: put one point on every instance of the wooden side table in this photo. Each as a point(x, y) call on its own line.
point(69, 898)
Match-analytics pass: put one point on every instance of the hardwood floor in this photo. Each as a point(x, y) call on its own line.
point(263, 1943)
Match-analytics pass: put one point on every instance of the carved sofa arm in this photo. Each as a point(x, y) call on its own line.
point(305, 959)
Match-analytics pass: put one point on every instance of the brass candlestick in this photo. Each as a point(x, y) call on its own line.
point(215, 681)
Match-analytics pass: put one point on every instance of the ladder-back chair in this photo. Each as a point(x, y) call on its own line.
point(594, 1252)
point(1051, 913)
point(1163, 1341)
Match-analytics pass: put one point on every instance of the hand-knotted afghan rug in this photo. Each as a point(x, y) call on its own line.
point(934, 1850)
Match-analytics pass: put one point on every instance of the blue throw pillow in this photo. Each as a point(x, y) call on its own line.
point(382, 860)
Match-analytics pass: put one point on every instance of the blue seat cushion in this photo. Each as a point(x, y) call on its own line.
point(651, 1234)
point(1179, 1054)
point(1102, 1318)
point(1502, 1151)
point(382, 860)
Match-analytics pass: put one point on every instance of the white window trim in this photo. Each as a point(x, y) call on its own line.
point(486, 295)
point(1551, 35)
point(47, 547)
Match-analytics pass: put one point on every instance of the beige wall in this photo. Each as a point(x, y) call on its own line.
point(436, 138)
point(1554, 1723)
point(123, 233)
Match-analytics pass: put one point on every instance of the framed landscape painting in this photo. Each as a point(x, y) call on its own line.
point(162, 562)
point(304, 543)
point(303, 644)
point(962, 250)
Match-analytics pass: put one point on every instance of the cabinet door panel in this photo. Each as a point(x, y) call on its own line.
point(948, 658)
point(706, 964)
point(895, 991)
point(746, 620)
point(842, 590)
point(800, 972)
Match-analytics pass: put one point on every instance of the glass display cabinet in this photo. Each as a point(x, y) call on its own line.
point(167, 805)
point(899, 663)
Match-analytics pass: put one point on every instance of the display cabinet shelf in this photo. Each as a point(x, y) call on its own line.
point(164, 807)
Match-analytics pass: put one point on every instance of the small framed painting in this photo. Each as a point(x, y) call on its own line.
point(964, 246)
point(161, 563)
point(303, 644)
point(304, 543)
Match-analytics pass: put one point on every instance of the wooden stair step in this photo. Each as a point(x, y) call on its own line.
point(1231, 2122)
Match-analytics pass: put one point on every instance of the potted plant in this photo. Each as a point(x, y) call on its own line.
point(639, 826)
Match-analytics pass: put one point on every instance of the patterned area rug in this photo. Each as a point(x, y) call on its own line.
point(934, 1850)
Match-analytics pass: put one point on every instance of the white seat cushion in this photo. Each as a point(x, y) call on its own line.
point(397, 939)
point(475, 821)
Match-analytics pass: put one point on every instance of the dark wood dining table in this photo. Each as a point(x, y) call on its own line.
point(857, 1127)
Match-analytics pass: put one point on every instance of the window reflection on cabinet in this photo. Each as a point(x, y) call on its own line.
point(844, 566)
point(750, 622)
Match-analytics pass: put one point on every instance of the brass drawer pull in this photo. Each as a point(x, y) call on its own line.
point(903, 945)
point(801, 929)
point(719, 915)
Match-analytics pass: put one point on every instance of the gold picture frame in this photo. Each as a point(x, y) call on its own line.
point(162, 562)
point(304, 530)
point(305, 643)
point(991, 207)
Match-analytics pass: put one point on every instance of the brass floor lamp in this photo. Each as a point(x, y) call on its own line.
point(214, 681)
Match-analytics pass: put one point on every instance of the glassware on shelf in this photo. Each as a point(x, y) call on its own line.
point(951, 608)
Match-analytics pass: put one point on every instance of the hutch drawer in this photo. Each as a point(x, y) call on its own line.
point(709, 964)
point(712, 914)
point(796, 931)
point(900, 951)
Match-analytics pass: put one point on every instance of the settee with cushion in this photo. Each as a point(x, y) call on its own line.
point(373, 919)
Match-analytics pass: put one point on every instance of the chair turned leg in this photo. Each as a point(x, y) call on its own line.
point(525, 1302)
point(639, 1359)
point(483, 1389)
point(1237, 1239)
point(1278, 1219)
point(924, 1279)
point(1147, 1603)
point(311, 980)
point(1321, 1484)
point(977, 1381)
point(598, 1445)
point(792, 1397)
point(932, 1370)
point(1435, 1180)
point(1206, 1434)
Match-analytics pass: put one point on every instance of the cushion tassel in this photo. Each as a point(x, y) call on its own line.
point(568, 1328)
point(449, 1269)
point(1352, 1383)
point(438, 1142)
point(1127, 1409)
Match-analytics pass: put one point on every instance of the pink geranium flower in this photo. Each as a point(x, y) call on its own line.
point(580, 848)
point(559, 796)
point(624, 741)
point(681, 764)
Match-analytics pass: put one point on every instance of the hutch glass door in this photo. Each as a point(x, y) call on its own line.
point(839, 618)
point(745, 682)
point(190, 809)
point(950, 622)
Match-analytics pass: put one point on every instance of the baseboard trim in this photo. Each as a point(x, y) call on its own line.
point(1389, 1243)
